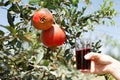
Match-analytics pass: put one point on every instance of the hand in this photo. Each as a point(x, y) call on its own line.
point(100, 63)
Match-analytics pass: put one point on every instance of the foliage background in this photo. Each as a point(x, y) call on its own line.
point(23, 56)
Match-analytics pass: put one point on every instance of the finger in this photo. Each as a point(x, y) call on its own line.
point(85, 71)
point(91, 56)
point(92, 70)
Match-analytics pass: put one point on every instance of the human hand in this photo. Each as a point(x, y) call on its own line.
point(100, 63)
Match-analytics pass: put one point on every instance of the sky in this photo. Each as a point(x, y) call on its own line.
point(100, 30)
point(114, 30)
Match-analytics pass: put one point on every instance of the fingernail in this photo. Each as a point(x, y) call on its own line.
point(86, 57)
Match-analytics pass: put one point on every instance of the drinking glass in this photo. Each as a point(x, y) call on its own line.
point(82, 47)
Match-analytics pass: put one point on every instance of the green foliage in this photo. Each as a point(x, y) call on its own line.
point(108, 76)
point(23, 56)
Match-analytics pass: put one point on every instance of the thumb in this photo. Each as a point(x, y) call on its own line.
point(92, 55)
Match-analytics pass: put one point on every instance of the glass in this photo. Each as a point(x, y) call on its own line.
point(82, 47)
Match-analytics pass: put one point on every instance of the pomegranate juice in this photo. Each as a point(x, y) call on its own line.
point(80, 61)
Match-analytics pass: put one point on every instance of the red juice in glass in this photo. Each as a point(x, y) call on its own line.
point(81, 63)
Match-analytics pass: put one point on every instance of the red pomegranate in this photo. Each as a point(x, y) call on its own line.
point(54, 36)
point(42, 19)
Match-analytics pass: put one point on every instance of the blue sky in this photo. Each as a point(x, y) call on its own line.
point(113, 31)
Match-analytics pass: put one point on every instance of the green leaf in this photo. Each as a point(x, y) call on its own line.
point(24, 38)
point(62, 60)
point(19, 44)
point(43, 3)
point(110, 3)
point(74, 2)
point(34, 2)
point(15, 8)
point(11, 29)
point(46, 62)
point(87, 1)
point(10, 18)
point(7, 3)
point(1, 32)
point(78, 34)
point(66, 52)
point(39, 57)
point(13, 42)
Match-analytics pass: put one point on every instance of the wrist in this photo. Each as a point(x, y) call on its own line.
point(114, 69)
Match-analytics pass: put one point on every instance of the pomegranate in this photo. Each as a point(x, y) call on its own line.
point(54, 36)
point(42, 19)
